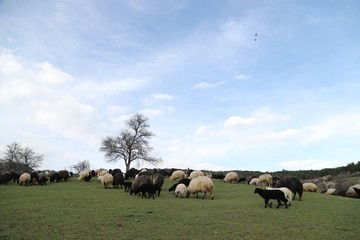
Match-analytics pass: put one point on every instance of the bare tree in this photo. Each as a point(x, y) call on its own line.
point(132, 144)
point(81, 166)
point(17, 158)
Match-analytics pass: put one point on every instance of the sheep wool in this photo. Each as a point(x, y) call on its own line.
point(180, 190)
point(107, 180)
point(265, 179)
point(310, 187)
point(201, 184)
point(24, 179)
point(351, 192)
point(195, 174)
point(178, 174)
point(231, 177)
point(254, 182)
point(84, 174)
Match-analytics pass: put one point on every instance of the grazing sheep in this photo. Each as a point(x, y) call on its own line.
point(357, 190)
point(148, 188)
point(178, 174)
point(54, 177)
point(107, 180)
point(231, 177)
point(180, 190)
point(127, 186)
point(33, 177)
point(309, 187)
point(195, 174)
point(330, 191)
point(84, 174)
point(140, 180)
point(242, 180)
point(272, 194)
point(351, 192)
point(218, 175)
point(293, 184)
point(250, 178)
point(64, 174)
point(254, 182)
point(201, 184)
point(287, 192)
point(265, 179)
point(42, 179)
point(185, 181)
point(131, 173)
point(24, 179)
point(118, 179)
point(157, 180)
point(15, 177)
point(88, 178)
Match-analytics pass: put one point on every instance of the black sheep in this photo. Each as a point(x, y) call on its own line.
point(357, 192)
point(118, 180)
point(127, 186)
point(146, 188)
point(157, 180)
point(242, 180)
point(272, 194)
point(185, 181)
point(293, 184)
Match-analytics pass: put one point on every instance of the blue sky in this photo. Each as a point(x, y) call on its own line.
point(71, 73)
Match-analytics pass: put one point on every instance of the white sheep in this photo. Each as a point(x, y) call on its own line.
point(265, 179)
point(231, 177)
point(201, 184)
point(309, 187)
point(178, 174)
point(24, 179)
point(254, 182)
point(100, 172)
point(287, 192)
point(107, 180)
point(330, 191)
point(195, 174)
point(351, 192)
point(180, 190)
point(84, 174)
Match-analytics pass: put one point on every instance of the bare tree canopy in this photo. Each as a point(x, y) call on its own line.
point(132, 144)
point(81, 166)
point(17, 158)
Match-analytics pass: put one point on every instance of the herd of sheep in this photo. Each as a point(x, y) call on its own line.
point(148, 183)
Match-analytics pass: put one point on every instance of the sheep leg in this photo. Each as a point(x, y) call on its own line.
point(204, 195)
point(267, 203)
point(279, 203)
point(286, 206)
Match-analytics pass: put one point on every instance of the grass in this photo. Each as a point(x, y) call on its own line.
point(79, 210)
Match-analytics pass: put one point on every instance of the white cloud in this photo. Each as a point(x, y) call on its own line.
point(241, 77)
point(162, 96)
point(205, 85)
point(156, 112)
point(49, 74)
point(309, 164)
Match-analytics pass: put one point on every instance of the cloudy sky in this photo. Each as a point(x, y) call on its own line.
point(244, 84)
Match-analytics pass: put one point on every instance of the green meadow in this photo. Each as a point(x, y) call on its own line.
point(82, 210)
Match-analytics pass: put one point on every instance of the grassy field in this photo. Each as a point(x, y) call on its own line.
point(80, 210)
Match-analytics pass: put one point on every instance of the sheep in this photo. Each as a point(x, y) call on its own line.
point(33, 177)
point(185, 181)
point(54, 176)
point(64, 174)
point(118, 179)
point(250, 178)
point(127, 186)
point(272, 194)
point(351, 192)
point(131, 173)
point(195, 174)
point(242, 180)
point(178, 174)
point(140, 180)
point(309, 187)
point(218, 175)
point(24, 179)
point(293, 184)
point(357, 190)
point(146, 188)
point(42, 179)
point(107, 180)
point(287, 192)
point(180, 190)
point(157, 180)
point(254, 181)
point(265, 179)
point(201, 184)
point(330, 191)
point(84, 174)
point(15, 177)
point(231, 177)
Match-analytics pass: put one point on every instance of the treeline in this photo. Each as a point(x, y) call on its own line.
point(312, 174)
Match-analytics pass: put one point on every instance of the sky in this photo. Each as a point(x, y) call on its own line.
point(226, 85)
